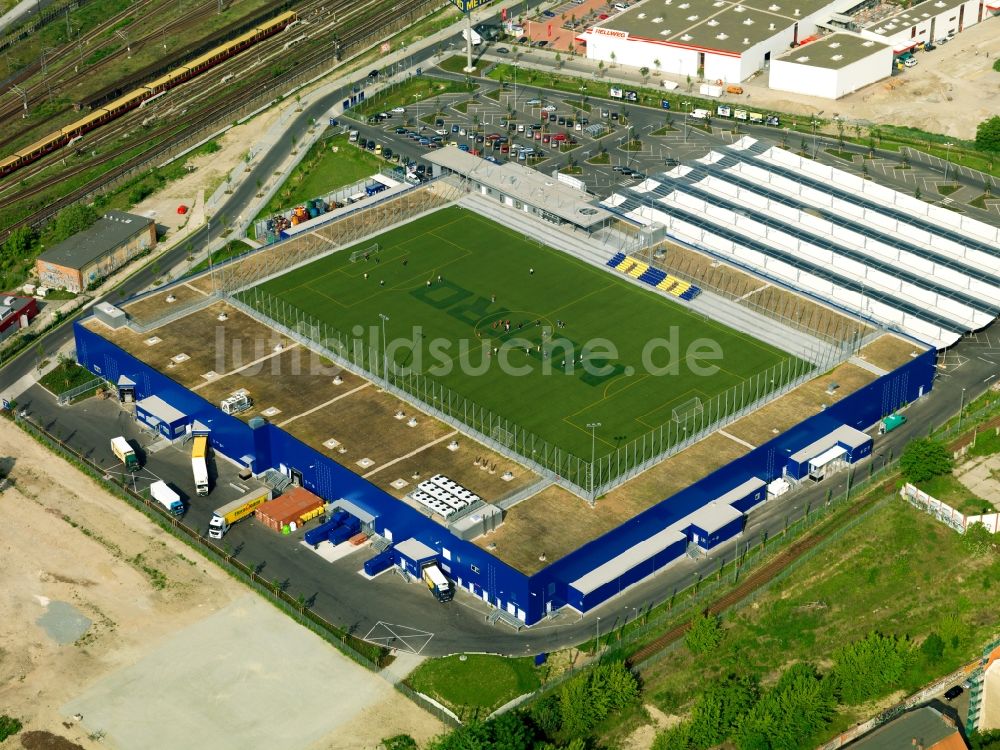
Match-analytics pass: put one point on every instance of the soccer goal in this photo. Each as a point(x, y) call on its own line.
point(690, 408)
point(503, 436)
point(366, 253)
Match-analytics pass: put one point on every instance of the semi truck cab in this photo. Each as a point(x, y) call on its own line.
point(440, 586)
point(124, 453)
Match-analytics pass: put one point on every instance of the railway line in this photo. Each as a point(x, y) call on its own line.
point(757, 579)
point(185, 120)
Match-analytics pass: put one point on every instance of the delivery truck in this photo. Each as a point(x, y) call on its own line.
point(199, 450)
point(890, 423)
point(124, 453)
point(477, 39)
point(439, 585)
point(161, 492)
point(237, 510)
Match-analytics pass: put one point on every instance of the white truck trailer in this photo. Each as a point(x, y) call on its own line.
point(166, 497)
point(199, 468)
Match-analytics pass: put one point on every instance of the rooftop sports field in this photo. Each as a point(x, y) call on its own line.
point(545, 340)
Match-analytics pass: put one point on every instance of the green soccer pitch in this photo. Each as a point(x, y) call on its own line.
point(451, 280)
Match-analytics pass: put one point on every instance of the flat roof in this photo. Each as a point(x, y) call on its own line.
point(160, 409)
point(843, 434)
point(618, 566)
point(414, 549)
point(912, 16)
point(524, 184)
point(834, 52)
point(740, 492)
point(720, 25)
point(106, 234)
point(925, 722)
point(712, 517)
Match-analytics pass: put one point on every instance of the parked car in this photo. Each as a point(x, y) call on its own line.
point(501, 50)
point(373, 74)
point(549, 14)
point(439, 122)
point(463, 146)
point(617, 168)
point(911, 63)
point(441, 131)
point(928, 47)
point(523, 40)
point(620, 6)
point(454, 128)
point(671, 162)
point(774, 121)
point(533, 102)
point(399, 110)
point(540, 43)
point(953, 692)
point(400, 131)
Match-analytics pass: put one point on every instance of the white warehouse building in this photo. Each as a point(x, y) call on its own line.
point(832, 66)
point(730, 40)
point(929, 21)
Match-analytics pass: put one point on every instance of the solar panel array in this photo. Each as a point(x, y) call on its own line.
point(857, 245)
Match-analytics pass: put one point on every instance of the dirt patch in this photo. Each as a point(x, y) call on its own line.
point(207, 172)
point(137, 584)
point(38, 740)
point(108, 564)
point(642, 738)
point(889, 352)
point(805, 401)
point(981, 476)
point(555, 522)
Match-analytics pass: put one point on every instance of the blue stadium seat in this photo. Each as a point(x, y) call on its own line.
point(618, 258)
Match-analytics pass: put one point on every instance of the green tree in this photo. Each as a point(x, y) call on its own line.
point(20, 242)
point(590, 698)
point(932, 649)
point(678, 737)
point(978, 540)
point(870, 667)
point(704, 635)
point(989, 740)
point(719, 708)
point(71, 220)
point(9, 726)
point(799, 705)
point(988, 134)
point(924, 459)
point(399, 742)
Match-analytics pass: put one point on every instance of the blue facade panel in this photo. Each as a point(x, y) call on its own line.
point(478, 571)
point(585, 602)
point(708, 540)
point(752, 500)
point(169, 430)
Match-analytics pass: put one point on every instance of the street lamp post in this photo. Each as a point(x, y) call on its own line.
point(961, 411)
point(947, 163)
point(592, 426)
point(385, 375)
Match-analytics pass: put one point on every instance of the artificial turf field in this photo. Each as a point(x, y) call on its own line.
point(485, 277)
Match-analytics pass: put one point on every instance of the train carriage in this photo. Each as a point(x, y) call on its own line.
point(135, 97)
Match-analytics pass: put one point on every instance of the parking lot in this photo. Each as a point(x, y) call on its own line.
point(601, 143)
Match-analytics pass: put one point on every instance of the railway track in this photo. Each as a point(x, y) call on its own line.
point(755, 580)
point(192, 122)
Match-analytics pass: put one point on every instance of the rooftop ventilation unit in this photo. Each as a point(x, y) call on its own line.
point(770, 27)
point(712, 22)
point(797, 13)
point(746, 40)
point(748, 22)
point(837, 58)
point(722, 36)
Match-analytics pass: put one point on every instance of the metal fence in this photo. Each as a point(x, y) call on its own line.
point(589, 478)
point(92, 385)
point(368, 655)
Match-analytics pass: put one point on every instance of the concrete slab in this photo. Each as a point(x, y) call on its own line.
point(246, 676)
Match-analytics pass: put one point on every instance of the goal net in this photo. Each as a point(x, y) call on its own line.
point(503, 436)
point(690, 408)
point(366, 253)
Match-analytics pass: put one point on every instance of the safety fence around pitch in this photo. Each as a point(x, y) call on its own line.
point(589, 478)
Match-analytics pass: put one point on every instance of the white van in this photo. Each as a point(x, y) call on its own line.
point(353, 137)
point(701, 114)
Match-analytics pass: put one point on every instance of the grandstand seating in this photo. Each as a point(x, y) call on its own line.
point(655, 277)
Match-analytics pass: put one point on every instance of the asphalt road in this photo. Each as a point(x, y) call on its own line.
point(335, 589)
point(338, 593)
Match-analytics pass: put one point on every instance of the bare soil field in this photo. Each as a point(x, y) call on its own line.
point(92, 589)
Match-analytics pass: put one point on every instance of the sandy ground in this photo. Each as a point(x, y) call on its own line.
point(951, 90)
point(209, 172)
point(642, 738)
point(68, 546)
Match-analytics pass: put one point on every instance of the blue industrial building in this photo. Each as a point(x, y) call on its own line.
point(706, 514)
